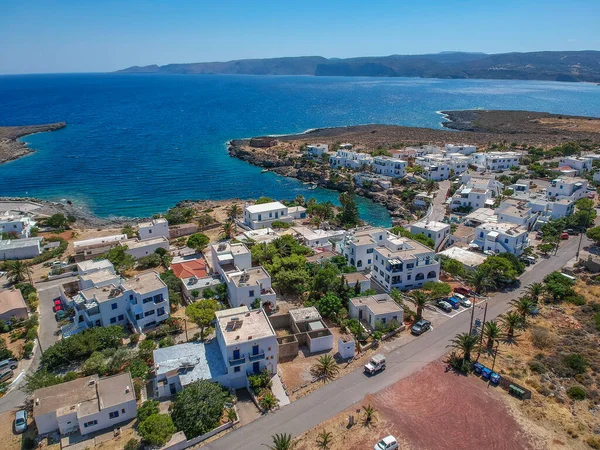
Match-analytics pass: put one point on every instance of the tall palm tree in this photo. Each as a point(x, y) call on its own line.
point(228, 228)
point(234, 212)
point(511, 321)
point(324, 439)
point(534, 291)
point(420, 299)
point(466, 343)
point(479, 280)
point(523, 306)
point(491, 332)
point(326, 368)
point(17, 271)
point(281, 442)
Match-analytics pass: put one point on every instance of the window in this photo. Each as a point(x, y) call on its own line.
point(147, 300)
point(113, 320)
point(506, 241)
point(237, 369)
point(251, 293)
point(121, 317)
point(149, 313)
point(158, 298)
point(123, 411)
point(114, 306)
point(91, 423)
point(370, 250)
point(160, 311)
point(113, 415)
point(369, 262)
point(139, 316)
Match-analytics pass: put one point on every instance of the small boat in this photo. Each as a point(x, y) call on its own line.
point(312, 186)
point(264, 170)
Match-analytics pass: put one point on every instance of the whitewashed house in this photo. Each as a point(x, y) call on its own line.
point(24, 248)
point(476, 192)
point(245, 343)
point(597, 176)
point(375, 310)
point(139, 248)
point(438, 231)
point(463, 149)
point(402, 263)
point(496, 161)
point(16, 225)
point(350, 160)
point(316, 150)
point(388, 166)
point(439, 168)
point(579, 163)
point(154, 229)
point(263, 215)
point(317, 238)
point(567, 188)
point(358, 246)
point(85, 405)
point(501, 238)
point(517, 212)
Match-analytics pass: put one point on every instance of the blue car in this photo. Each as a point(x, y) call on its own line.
point(486, 373)
point(478, 367)
point(495, 378)
point(454, 302)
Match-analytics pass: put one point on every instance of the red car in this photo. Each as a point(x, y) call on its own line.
point(462, 290)
point(564, 235)
point(57, 302)
point(57, 308)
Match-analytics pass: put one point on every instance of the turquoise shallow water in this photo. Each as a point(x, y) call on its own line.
point(137, 144)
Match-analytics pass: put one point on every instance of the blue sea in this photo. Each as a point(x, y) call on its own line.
point(135, 145)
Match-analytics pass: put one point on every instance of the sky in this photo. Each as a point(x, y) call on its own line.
point(46, 36)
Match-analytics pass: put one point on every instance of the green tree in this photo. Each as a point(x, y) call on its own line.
point(179, 215)
point(369, 416)
point(147, 409)
point(491, 333)
point(120, 259)
point(300, 200)
point(198, 408)
point(558, 287)
point(329, 305)
point(204, 220)
point(234, 212)
point(128, 231)
point(228, 229)
point(146, 348)
point(325, 369)
point(594, 235)
point(546, 248)
point(511, 321)
point(420, 300)
point(437, 289)
point(17, 271)
point(202, 313)
point(263, 200)
point(479, 280)
point(534, 291)
point(95, 364)
point(452, 267)
point(268, 401)
point(465, 343)
point(132, 444)
point(349, 217)
point(198, 241)
point(282, 442)
point(157, 429)
point(148, 262)
point(523, 306)
point(58, 221)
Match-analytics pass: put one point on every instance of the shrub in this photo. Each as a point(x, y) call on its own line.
point(577, 300)
point(542, 338)
point(134, 338)
point(258, 381)
point(166, 342)
point(28, 349)
point(148, 408)
point(576, 363)
point(537, 367)
point(577, 393)
point(132, 444)
point(157, 429)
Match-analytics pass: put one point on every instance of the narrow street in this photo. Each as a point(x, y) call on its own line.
point(438, 207)
point(336, 396)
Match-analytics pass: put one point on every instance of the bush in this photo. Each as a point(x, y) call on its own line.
point(29, 443)
point(157, 429)
point(258, 381)
point(575, 299)
point(148, 408)
point(132, 444)
point(542, 338)
point(28, 349)
point(278, 224)
point(577, 393)
point(166, 342)
point(537, 367)
point(576, 363)
point(134, 338)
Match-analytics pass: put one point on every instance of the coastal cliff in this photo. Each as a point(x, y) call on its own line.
point(11, 148)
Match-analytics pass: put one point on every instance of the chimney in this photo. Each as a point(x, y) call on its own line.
point(127, 390)
point(37, 402)
point(249, 337)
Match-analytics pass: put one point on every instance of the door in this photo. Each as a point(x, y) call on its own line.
point(236, 354)
point(255, 349)
point(360, 314)
point(256, 367)
point(172, 388)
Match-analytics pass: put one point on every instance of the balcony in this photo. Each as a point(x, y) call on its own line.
point(237, 362)
point(258, 357)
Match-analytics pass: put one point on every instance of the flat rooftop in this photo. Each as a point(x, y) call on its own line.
point(152, 222)
point(145, 282)
point(242, 326)
point(19, 243)
point(311, 235)
point(249, 277)
point(137, 243)
point(308, 314)
point(377, 304)
point(99, 276)
point(355, 277)
point(85, 266)
point(416, 248)
point(100, 240)
point(193, 361)
point(431, 225)
point(466, 257)
point(265, 207)
point(323, 256)
point(101, 294)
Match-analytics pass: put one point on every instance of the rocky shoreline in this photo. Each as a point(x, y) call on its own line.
point(11, 148)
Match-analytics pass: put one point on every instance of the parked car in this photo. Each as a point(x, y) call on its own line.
point(454, 302)
point(564, 235)
point(571, 232)
point(10, 363)
point(464, 301)
point(591, 195)
point(420, 327)
point(376, 364)
point(57, 302)
point(57, 308)
point(387, 443)
point(6, 374)
point(442, 304)
point(60, 314)
point(463, 291)
point(20, 421)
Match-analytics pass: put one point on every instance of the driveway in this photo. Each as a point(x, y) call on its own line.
point(335, 397)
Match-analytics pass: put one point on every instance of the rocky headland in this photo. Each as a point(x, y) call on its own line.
point(11, 148)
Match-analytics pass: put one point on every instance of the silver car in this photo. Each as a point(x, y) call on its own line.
point(21, 421)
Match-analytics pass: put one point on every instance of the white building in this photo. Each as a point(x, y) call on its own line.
point(438, 167)
point(318, 238)
point(375, 310)
point(579, 163)
point(316, 150)
point(416, 151)
point(402, 263)
point(545, 208)
point(24, 248)
point(476, 192)
point(245, 343)
point(85, 405)
point(438, 231)
point(517, 212)
point(358, 246)
point(597, 176)
point(92, 248)
point(496, 161)
point(16, 225)
point(391, 167)
point(501, 238)
point(350, 160)
point(567, 188)
point(139, 248)
point(227, 257)
point(263, 215)
point(470, 260)
point(154, 229)
point(463, 149)
point(87, 267)
point(140, 302)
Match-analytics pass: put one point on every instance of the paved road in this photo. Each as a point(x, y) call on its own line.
point(438, 210)
point(333, 398)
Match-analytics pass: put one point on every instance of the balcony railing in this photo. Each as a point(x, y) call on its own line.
point(259, 356)
point(237, 362)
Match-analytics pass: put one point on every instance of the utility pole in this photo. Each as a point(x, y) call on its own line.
point(494, 363)
point(186, 335)
point(587, 221)
point(481, 335)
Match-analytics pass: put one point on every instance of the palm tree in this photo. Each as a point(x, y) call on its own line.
point(300, 201)
point(466, 343)
point(369, 417)
point(231, 415)
point(491, 332)
point(534, 291)
point(420, 299)
point(228, 228)
point(523, 306)
point(479, 280)
point(234, 212)
point(281, 442)
point(510, 321)
point(324, 439)
point(326, 368)
point(430, 186)
point(17, 271)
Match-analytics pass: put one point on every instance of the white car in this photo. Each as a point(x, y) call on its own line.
point(387, 443)
point(464, 301)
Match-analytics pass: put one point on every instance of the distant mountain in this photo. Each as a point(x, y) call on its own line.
point(555, 66)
